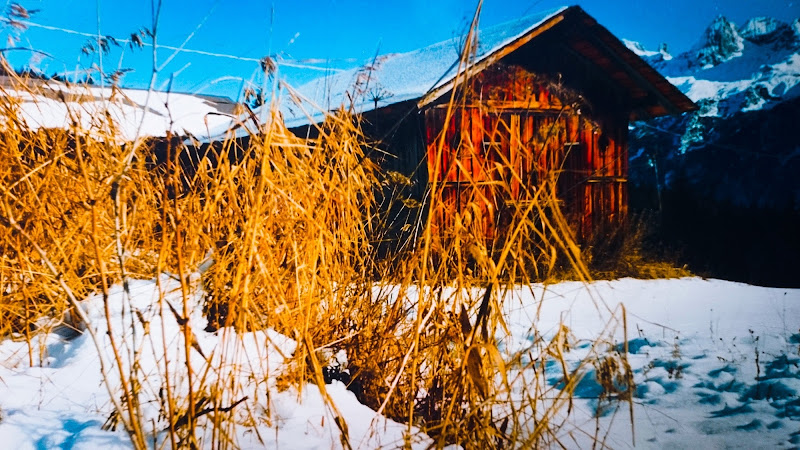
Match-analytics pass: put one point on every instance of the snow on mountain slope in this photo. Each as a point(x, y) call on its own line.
point(735, 69)
point(764, 30)
point(720, 43)
point(723, 179)
point(728, 73)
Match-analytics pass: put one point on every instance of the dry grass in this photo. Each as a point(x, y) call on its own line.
point(292, 227)
point(631, 251)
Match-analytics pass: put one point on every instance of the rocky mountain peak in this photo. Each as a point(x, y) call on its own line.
point(766, 30)
point(654, 58)
point(721, 42)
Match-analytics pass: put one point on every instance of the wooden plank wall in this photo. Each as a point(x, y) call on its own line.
point(511, 132)
point(599, 174)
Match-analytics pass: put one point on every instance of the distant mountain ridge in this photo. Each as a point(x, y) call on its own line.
point(734, 74)
point(731, 69)
point(725, 179)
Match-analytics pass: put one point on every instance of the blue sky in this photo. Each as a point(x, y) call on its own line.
point(320, 34)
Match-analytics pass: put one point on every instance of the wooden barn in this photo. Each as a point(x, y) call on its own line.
point(550, 92)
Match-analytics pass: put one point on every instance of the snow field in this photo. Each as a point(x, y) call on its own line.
point(715, 365)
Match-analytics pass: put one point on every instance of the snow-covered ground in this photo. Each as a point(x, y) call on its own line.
point(62, 402)
point(716, 364)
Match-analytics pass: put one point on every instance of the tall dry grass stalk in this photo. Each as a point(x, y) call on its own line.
point(291, 225)
point(435, 360)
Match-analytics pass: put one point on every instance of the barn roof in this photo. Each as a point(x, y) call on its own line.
point(413, 75)
point(428, 73)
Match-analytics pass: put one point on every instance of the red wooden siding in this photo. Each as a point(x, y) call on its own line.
point(514, 130)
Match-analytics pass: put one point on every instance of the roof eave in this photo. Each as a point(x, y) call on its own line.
point(669, 100)
point(475, 67)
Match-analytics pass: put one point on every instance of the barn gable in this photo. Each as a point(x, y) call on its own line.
point(571, 43)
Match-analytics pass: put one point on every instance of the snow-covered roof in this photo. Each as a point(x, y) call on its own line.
point(404, 76)
point(426, 74)
point(394, 77)
point(53, 104)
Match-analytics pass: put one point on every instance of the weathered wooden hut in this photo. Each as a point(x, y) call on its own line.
point(550, 92)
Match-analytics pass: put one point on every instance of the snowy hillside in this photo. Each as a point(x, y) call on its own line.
point(62, 400)
point(716, 365)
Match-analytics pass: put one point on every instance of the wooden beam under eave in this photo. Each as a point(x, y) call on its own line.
point(490, 59)
point(615, 72)
point(665, 102)
point(642, 73)
point(586, 62)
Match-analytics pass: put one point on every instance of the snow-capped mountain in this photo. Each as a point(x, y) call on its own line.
point(726, 178)
point(636, 47)
point(734, 69)
point(737, 76)
point(720, 43)
point(766, 30)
